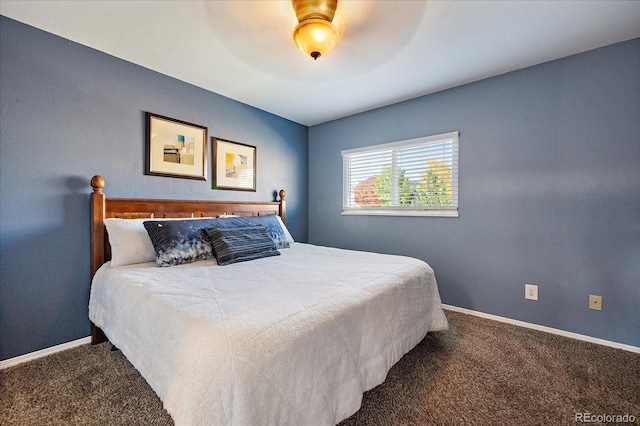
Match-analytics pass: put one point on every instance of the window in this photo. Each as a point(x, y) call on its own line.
point(416, 177)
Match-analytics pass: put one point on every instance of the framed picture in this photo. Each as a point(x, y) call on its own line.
point(175, 148)
point(234, 165)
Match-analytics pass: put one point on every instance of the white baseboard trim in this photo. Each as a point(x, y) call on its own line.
point(43, 352)
point(569, 334)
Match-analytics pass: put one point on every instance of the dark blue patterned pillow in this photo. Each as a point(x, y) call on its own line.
point(273, 227)
point(232, 245)
point(183, 241)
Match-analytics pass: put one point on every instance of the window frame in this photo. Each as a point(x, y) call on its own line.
point(434, 211)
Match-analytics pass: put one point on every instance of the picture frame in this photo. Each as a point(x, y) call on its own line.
point(175, 148)
point(234, 165)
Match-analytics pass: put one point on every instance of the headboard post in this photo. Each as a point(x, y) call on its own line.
point(97, 224)
point(283, 206)
point(97, 241)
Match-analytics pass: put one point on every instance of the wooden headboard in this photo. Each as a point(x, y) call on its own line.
point(103, 207)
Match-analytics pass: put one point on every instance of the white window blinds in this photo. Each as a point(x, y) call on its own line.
point(416, 177)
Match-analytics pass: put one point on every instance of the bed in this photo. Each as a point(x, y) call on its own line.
point(288, 339)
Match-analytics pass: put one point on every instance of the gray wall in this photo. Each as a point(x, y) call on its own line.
point(69, 112)
point(549, 192)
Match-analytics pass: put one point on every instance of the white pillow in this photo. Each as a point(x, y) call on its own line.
point(130, 242)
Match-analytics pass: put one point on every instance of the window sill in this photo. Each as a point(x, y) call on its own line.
point(453, 212)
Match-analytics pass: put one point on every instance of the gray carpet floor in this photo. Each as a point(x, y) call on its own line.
point(480, 372)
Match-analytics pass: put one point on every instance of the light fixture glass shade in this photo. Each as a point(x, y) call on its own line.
point(316, 37)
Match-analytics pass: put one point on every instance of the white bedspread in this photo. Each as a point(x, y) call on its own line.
point(288, 340)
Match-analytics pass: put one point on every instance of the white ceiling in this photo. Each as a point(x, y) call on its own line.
point(389, 51)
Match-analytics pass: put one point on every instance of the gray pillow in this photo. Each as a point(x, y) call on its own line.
point(232, 245)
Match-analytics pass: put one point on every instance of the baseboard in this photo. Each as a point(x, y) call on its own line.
point(569, 334)
point(43, 352)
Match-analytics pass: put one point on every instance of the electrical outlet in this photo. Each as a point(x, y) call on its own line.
point(595, 302)
point(531, 291)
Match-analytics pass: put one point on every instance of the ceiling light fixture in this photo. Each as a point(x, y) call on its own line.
point(315, 35)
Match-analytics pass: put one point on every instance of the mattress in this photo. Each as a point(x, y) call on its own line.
point(288, 340)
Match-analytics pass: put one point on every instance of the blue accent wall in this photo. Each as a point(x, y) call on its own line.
point(549, 192)
point(68, 112)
